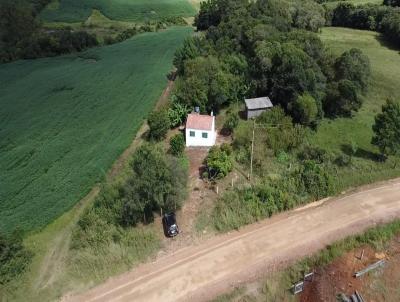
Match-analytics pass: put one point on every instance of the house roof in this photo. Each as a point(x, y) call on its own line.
point(199, 122)
point(258, 103)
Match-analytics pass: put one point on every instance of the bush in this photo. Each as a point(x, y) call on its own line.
point(14, 258)
point(219, 162)
point(316, 154)
point(177, 114)
point(305, 109)
point(232, 121)
point(159, 124)
point(177, 144)
point(244, 206)
point(316, 179)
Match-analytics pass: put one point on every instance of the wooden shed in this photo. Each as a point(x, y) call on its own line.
point(254, 107)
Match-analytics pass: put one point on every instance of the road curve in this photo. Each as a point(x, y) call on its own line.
point(200, 272)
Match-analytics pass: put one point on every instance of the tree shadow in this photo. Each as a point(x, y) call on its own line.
point(386, 43)
point(361, 153)
point(202, 169)
point(243, 114)
point(171, 76)
point(225, 132)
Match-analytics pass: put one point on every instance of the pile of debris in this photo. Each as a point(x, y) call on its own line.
point(356, 297)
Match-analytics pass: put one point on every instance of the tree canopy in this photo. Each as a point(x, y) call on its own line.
point(387, 129)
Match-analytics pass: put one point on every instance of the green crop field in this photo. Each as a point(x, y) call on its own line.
point(64, 121)
point(336, 134)
point(123, 10)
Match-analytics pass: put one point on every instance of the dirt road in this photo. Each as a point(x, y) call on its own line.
point(200, 272)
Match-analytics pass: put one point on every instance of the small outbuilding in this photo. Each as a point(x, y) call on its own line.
point(254, 107)
point(200, 130)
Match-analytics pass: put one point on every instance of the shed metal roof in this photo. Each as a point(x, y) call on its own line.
point(258, 103)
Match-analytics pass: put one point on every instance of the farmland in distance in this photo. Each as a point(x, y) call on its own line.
point(64, 121)
point(122, 10)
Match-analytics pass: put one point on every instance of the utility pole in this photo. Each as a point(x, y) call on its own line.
point(252, 150)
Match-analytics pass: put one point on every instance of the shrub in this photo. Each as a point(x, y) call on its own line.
point(159, 124)
point(14, 258)
point(317, 180)
point(282, 135)
point(231, 122)
point(177, 144)
point(219, 162)
point(343, 160)
point(305, 109)
point(316, 154)
point(177, 114)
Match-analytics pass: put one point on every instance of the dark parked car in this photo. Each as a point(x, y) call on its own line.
point(170, 226)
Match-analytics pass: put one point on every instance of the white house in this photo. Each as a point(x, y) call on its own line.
point(200, 130)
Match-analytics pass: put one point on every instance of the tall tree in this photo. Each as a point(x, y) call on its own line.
point(354, 66)
point(387, 129)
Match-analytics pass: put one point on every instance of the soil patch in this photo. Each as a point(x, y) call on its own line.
point(381, 284)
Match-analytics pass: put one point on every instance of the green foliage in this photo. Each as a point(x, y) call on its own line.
point(342, 99)
point(387, 129)
point(157, 183)
point(177, 144)
point(305, 109)
point(190, 49)
point(219, 162)
point(231, 121)
point(385, 19)
point(308, 15)
point(309, 181)
point(390, 27)
point(208, 85)
point(244, 206)
point(354, 66)
point(14, 257)
point(124, 10)
point(21, 35)
point(280, 133)
point(290, 72)
point(159, 124)
point(391, 2)
point(177, 114)
point(72, 104)
point(318, 181)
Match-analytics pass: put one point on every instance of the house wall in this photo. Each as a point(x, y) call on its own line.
point(198, 140)
point(254, 113)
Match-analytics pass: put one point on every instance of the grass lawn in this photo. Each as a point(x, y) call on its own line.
point(123, 10)
point(338, 134)
point(65, 120)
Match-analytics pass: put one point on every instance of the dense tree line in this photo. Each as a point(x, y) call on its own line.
point(268, 47)
point(391, 2)
point(22, 37)
point(384, 19)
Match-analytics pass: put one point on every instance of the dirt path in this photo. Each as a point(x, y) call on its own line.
point(200, 272)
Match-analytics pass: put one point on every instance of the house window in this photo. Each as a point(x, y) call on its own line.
point(192, 134)
point(204, 135)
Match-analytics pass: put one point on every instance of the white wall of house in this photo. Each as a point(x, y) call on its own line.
point(201, 138)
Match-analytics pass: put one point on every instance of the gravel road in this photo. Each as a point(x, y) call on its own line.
point(199, 273)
